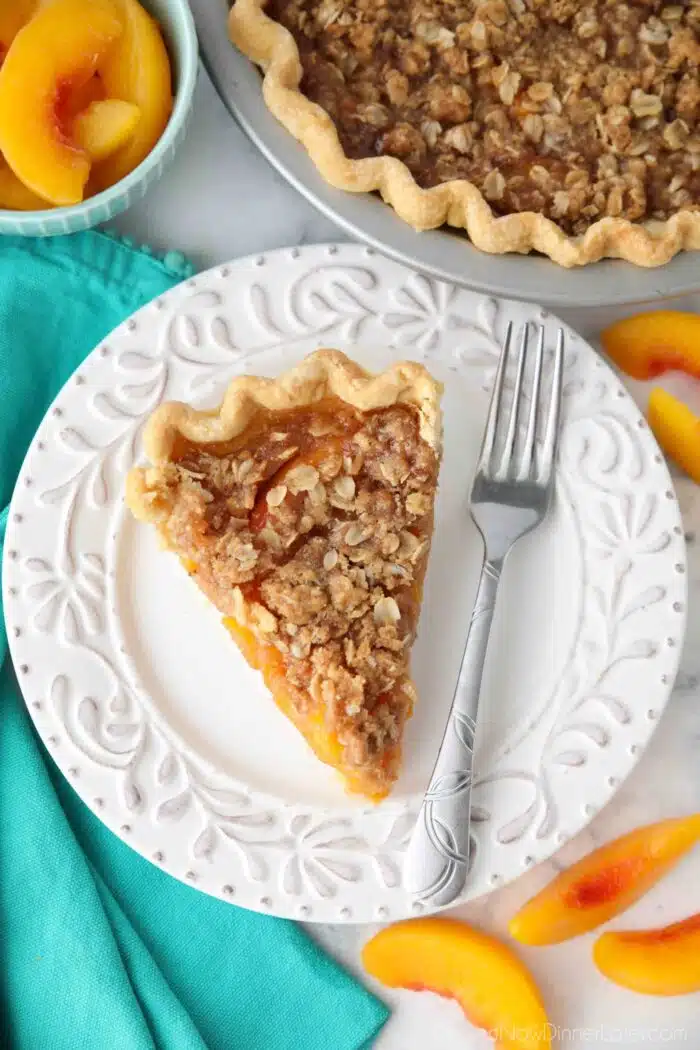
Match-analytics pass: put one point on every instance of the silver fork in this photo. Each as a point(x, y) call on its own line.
point(510, 496)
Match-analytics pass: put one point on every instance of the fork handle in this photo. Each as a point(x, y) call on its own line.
point(437, 858)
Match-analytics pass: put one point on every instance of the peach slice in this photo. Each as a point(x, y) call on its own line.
point(136, 70)
point(14, 195)
point(105, 126)
point(14, 14)
point(60, 46)
point(648, 344)
point(604, 883)
point(268, 660)
point(677, 430)
point(664, 961)
point(74, 98)
point(97, 133)
point(492, 986)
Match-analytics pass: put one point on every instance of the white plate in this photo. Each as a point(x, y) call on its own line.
point(147, 706)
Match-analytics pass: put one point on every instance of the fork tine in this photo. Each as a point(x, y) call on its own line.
point(495, 406)
point(512, 432)
point(529, 444)
point(549, 445)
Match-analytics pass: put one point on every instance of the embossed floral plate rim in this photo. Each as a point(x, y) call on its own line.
point(61, 579)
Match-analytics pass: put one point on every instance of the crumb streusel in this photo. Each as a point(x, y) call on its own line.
point(576, 111)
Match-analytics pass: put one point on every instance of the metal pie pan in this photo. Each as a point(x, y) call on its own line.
point(443, 253)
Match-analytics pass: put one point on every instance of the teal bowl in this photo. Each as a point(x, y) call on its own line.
point(181, 38)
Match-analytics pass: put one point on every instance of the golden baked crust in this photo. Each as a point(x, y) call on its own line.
point(323, 374)
point(303, 509)
point(459, 202)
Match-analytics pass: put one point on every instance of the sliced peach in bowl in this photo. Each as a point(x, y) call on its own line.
point(14, 15)
point(60, 46)
point(99, 130)
point(105, 126)
point(493, 987)
point(75, 93)
point(136, 70)
point(605, 882)
point(76, 97)
point(664, 961)
point(14, 195)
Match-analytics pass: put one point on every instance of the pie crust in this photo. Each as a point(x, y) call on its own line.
point(456, 202)
point(303, 509)
point(323, 374)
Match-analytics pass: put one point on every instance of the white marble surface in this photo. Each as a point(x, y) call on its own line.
point(221, 200)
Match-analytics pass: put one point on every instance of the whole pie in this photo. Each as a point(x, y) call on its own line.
point(303, 509)
point(563, 126)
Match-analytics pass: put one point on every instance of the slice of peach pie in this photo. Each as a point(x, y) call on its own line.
point(303, 508)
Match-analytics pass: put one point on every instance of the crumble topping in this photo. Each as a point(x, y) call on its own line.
point(323, 527)
point(573, 110)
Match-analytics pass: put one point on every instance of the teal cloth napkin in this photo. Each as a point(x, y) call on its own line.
point(100, 950)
